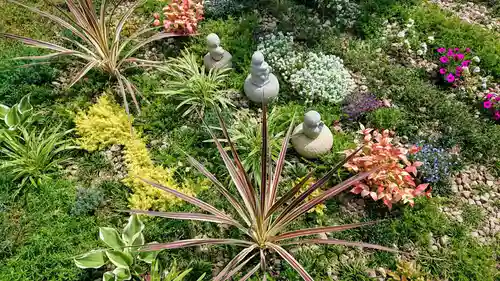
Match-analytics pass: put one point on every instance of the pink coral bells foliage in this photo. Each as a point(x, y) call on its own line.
point(395, 180)
point(181, 16)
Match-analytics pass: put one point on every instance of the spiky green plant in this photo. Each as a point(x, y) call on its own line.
point(99, 45)
point(31, 155)
point(262, 217)
point(195, 87)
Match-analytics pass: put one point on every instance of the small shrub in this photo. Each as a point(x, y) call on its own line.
point(87, 200)
point(221, 8)
point(394, 181)
point(358, 104)
point(386, 118)
point(491, 103)
point(32, 155)
point(454, 64)
point(195, 87)
point(344, 12)
point(181, 16)
point(437, 163)
point(106, 124)
point(407, 271)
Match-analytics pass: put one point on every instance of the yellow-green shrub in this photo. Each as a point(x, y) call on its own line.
point(105, 124)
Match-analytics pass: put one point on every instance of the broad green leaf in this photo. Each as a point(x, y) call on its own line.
point(3, 110)
point(139, 241)
point(201, 277)
point(120, 259)
point(94, 259)
point(122, 274)
point(12, 117)
point(148, 257)
point(24, 105)
point(132, 230)
point(108, 276)
point(111, 237)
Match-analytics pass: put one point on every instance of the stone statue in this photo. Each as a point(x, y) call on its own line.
point(261, 85)
point(217, 57)
point(312, 138)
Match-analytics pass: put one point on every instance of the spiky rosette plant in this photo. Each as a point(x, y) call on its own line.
point(261, 215)
point(97, 44)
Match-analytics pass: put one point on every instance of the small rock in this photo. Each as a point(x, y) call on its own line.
point(489, 183)
point(466, 194)
point(371, 273)
point(444, 240)
point(434, 248)
point(382, 272)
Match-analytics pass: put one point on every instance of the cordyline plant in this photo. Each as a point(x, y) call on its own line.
point(98, 44)
point(262, 217)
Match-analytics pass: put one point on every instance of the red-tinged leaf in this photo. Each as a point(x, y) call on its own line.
point(291, 260)
point(82, 72)
point(290, 194)
point(238, 268)
point(236, 260)
point(155, 37)
point(283, 220)
point(245, 190)
point(263, 161)
point(312, 231)
point(36, 43)
point(344, 243)
point(187, 216)
point(195, 201)
point(316, 185)
point(279, 165)
point(220, 187)
point(194, 243)
point(250, 273)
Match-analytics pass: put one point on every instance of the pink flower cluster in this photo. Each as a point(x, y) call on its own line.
point(492, 103)
point(394, 176)
point(453, 63)
point(181, 16)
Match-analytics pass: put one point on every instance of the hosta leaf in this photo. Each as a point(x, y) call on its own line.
point(120, 259)
point(148, 257)
point(12, 117)
point(94, 259)
point(24, 105)
point(132, 230)
point(139, 241)
point(108, 276)
point(111, 237)
point(122, 274)
point(3, 110)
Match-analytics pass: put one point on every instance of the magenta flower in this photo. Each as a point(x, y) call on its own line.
point(487, 104)
point(457, 49)
point(441, 50)
point(450, 53)
point(467, 50)
point(444, 59)
point(497, 115)
point(466, 63)
point(460, 56)
point(450, 78)
point(489, 96)
point(442, 71)
point(459, 68)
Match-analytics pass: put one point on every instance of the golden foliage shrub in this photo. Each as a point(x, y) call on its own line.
point(106, 124)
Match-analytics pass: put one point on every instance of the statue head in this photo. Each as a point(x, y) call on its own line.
point(312, 119)
point(257, 58)
point(213, 41)
point(260, 69)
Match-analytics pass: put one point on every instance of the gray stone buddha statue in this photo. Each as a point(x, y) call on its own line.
point(216, 57)
point(312, 138)
point(261, 85)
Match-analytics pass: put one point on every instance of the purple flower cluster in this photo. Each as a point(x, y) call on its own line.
point(438, 163)
point(358, 103)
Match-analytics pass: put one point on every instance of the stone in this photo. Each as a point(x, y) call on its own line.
point(382, 272)
point(466, 194)
point(261, 86)
point(371, 273)
point(312, 138)
point(444, 240)
point(489, 183)
point(434, 248)
point(217, 57)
